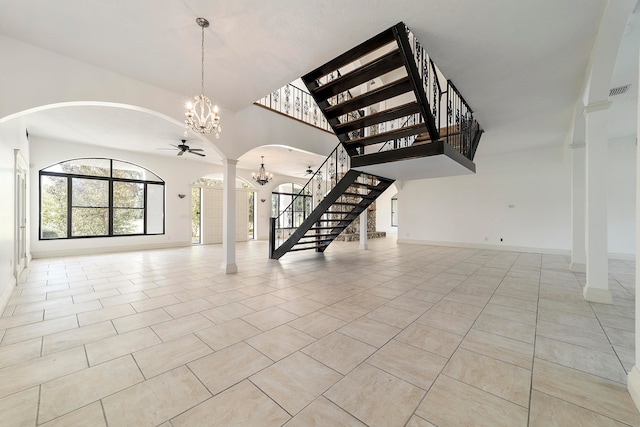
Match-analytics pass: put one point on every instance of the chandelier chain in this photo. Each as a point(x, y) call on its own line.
point(202, 63)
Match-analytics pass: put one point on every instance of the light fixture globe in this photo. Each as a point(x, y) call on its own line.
point(201, 116)
point(262, 177)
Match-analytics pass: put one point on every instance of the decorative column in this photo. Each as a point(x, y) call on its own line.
point(578, 253)
point(597, 254)
point(229, 216)
point(364, 242)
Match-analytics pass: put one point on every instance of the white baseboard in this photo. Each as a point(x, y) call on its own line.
point(602, 296)
point(547, 251)
point(105, 250)
point(622, 257)
point(6, 294)
point(633, 385)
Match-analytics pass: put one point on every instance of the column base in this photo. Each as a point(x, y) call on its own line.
point(230, 268)
point(633, 385)
point(602, 296)
point(578, 267)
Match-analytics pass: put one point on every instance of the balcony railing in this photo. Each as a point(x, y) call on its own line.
point(297, 104)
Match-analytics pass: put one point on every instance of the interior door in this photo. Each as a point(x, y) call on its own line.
point(20, 214)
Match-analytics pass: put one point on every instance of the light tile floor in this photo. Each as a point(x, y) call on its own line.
point(398, 335)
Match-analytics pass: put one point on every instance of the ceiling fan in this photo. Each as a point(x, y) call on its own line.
point(183, 148)
point(308, 171)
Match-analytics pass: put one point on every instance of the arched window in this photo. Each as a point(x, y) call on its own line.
point(99, 198)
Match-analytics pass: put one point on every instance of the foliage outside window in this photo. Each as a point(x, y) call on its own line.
point(290, 215)
point(99, 197)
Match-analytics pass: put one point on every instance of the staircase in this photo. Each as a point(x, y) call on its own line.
point(396, 117)
point(352, 195)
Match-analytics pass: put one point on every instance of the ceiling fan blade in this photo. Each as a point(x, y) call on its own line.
point(196, 149)
point(180, 153)
point(174, 146)
point(162, 148)
point(197, 154)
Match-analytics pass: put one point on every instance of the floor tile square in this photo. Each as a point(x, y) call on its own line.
point(229, 366)
point(295, 381)
point(162, 397)
point(376, 397)
point(339, 352)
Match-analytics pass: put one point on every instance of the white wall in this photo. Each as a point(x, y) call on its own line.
point(383, 211)
point(621, 197)
point(178, 174)
point(474, 209)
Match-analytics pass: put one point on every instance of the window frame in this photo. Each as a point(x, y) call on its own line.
point(110, 179)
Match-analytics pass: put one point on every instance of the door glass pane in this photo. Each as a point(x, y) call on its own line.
point(91, 167)
point(128, 221)
point(53, 213)
point(155, 209)
point(130, 171)
point(89, 193)
point(89, 221)
point(128, 195)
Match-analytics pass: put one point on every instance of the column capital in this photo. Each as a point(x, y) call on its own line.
point(231, 162)
point(596, 106)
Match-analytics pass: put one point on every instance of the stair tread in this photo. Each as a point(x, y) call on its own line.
point(375, 68)
point(395, 88)
point(314, 236)
point(351, 55)
point(387, 136)
point(379, 117)
point(307, 248)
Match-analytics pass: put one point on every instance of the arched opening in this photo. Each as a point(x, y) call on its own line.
point(99, 197)
point(206, 210)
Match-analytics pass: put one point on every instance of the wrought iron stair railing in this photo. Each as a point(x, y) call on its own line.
point(340, 194)
point(319, 184)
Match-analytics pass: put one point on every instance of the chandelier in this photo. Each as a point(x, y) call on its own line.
point(201, 117)
point(262, 177)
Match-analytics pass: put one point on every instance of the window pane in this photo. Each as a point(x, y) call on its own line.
point(89, 193)
point(130, 171)
point(91, 167)
point(155, 209)
point(89, 221)
point(53, 213)
point(128, 221)
point(128, 195)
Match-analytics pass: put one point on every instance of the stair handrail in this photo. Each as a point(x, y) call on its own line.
point(334, 166)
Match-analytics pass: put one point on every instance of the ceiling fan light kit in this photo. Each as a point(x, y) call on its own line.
point(184, 148)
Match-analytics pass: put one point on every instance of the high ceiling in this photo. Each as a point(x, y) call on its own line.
point(519, 64)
